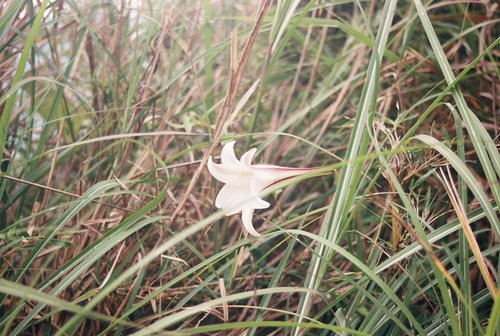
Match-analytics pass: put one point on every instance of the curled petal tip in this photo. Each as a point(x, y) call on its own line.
point(246, 217)
point(211, 166)
point(227, 155)
point(246, 158)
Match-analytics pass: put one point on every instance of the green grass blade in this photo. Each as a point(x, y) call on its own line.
point(467, 176)
point(483, 144)
point(9, 104)
point(342, 201)
point(8, 17)
point(26, 292)
point(94, 192)
point(81, 262)
point(464, 247)
point(275, 280)
point(138, 266)
point(493, 324)
point(177, 317)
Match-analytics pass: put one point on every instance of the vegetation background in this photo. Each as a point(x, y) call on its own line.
point(110, 109)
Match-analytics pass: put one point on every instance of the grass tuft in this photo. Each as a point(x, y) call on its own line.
point(110, 111)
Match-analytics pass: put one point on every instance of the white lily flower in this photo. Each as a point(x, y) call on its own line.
point(244, 183)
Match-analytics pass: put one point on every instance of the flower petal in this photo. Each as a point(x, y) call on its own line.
point(246, 158)
point(246, 218)
point(277, 173)
point(227, 155)
point(235, 175)
point(259, 181)
point(233, 198)
point(264, 176)
point(259, 203)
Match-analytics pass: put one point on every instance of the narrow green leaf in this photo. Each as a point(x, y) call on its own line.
point(9, 104)
point(467, 176)
point(334, 221)
point(483, 144)
point(26, 292)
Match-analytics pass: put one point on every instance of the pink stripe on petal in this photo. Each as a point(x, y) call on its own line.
point(258, 183)
point(277, 173)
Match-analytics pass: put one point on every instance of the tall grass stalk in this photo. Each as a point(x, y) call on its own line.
point(335, 219)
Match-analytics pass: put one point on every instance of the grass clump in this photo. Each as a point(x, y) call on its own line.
point(110, 111)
